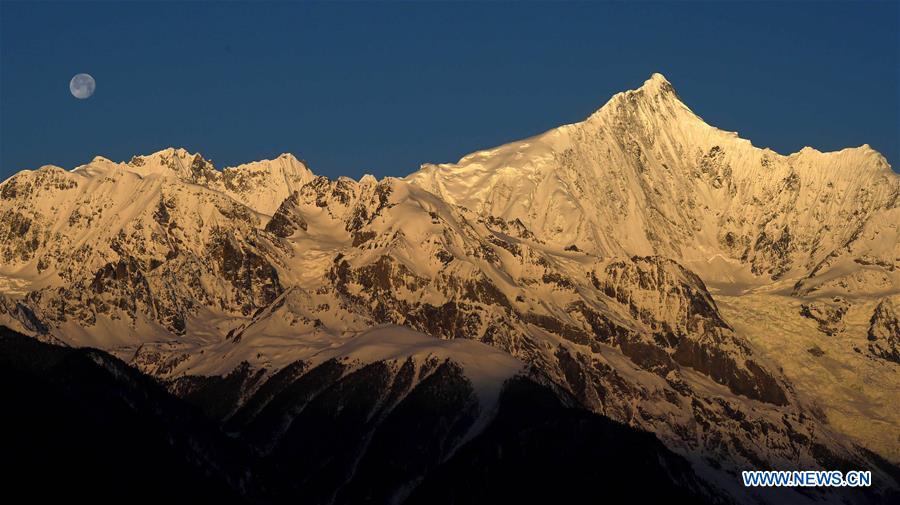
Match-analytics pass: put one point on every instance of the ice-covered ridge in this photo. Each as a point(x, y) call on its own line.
point(260, 185)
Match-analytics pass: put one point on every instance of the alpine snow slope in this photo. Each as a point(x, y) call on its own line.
point(740, 304)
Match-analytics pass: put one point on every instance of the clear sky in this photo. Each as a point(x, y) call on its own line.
point(381, 88)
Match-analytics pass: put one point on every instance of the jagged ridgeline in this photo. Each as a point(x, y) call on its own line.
point(740, 304)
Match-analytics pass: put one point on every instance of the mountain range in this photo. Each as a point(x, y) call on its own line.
point(637, 291)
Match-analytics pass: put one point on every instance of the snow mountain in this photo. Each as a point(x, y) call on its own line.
point(642, 265)
point(644, 175)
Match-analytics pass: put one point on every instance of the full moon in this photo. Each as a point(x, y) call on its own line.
point(82, 86)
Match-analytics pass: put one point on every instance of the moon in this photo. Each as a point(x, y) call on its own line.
point(82, 86)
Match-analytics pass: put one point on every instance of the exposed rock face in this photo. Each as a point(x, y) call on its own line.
point(884, 332)
point(686, 323)
point(253, 277)
point(829, 315)
point(286, 221)
point(654, 288)
point(20, 316)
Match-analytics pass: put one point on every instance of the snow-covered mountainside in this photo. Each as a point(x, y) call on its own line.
point(644, 175)
point(738, 303)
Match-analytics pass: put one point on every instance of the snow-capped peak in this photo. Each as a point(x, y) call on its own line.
point(657, 83)
point(168, 153)
point(655, 100)
point(263, 185)
point(632, 178)
point(172, 162)
point(655, 86)
point(283, 163)
point(260, 185)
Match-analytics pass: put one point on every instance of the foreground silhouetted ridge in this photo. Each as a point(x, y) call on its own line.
point(98, 430)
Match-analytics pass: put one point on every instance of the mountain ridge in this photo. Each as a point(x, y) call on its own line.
point(656, 83)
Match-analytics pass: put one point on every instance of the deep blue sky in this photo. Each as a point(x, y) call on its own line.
point(381, 88)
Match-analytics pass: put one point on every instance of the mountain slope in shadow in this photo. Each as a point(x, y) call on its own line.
point(92, 427)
